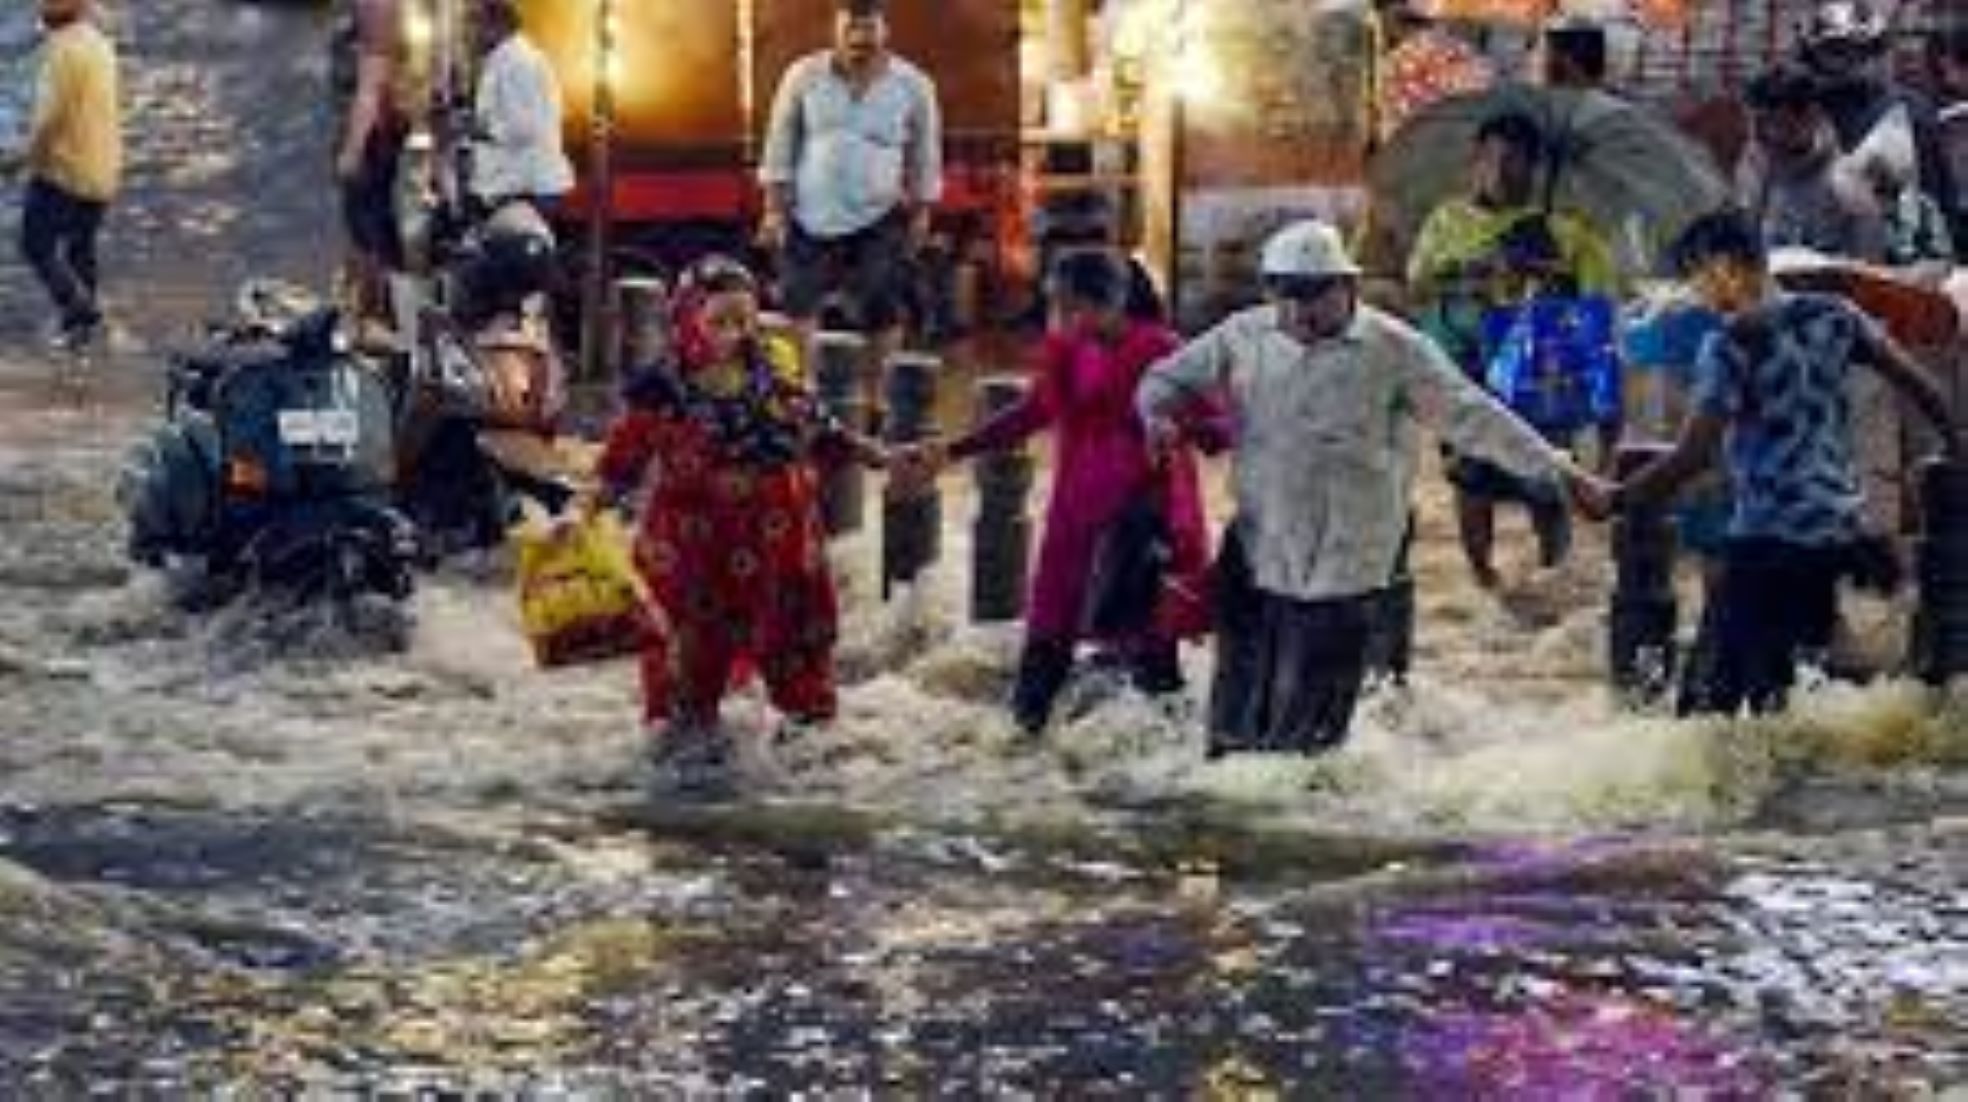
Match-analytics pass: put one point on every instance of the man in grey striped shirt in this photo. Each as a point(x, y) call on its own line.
point(853, 164)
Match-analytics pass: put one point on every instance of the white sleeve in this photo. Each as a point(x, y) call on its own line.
point(1200, 367)
point(1469, 417)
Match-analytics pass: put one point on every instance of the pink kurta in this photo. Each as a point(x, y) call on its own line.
point(1083, 388)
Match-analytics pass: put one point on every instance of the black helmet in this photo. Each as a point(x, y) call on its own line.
point(513, 257)
point(1843, 24)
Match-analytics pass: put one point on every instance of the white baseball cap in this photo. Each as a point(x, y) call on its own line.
point(1309, 248)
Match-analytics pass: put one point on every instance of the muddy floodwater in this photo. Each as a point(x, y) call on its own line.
point(258, 850)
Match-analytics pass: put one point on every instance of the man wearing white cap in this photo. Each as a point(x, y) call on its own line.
point(1327, 396)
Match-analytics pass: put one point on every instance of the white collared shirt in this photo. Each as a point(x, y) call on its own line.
point(518, 112)
point(1328, 441)
point(853, 159)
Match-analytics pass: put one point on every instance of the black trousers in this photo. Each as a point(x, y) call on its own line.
point(1778, 603)
point(58, 239)
point(1288, 672)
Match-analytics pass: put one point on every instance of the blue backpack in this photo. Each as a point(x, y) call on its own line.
point(1553, 361)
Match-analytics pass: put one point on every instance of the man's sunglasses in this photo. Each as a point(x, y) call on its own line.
point(1301, 288)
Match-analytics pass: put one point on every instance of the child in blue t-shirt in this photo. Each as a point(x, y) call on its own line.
point(1773, 386)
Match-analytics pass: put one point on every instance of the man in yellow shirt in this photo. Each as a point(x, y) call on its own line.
point(74, 163)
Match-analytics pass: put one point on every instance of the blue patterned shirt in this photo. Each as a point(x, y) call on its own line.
point(1779, 375)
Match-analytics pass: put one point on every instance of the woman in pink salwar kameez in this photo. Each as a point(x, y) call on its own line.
point(1083, 388)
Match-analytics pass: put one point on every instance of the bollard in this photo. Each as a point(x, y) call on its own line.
point(838, 380)
point(642, 312)
point(1940, 637)
point(911, 527)
point(1001, 544)
point(1640, 644)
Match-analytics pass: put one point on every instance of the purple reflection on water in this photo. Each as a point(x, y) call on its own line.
point(1579, 1046)
point(1567, 1042)
point(1466, 932)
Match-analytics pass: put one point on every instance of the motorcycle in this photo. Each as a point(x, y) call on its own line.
point(485, 387)
point(275, 466)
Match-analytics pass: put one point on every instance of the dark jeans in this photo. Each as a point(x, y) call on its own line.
point(1778, 602)
point(58, 238)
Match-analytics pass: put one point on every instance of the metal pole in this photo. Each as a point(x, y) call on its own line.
point(601, 196)
point(1641, 628)
point(839, 374)
point(912, 527)
point(1001, 545)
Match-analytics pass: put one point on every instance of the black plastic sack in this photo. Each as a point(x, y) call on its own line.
point(1129, 566)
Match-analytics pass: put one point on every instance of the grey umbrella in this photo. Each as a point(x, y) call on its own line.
point(1639, 180)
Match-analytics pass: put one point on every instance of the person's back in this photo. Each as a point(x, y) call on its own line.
point(82, 151)
point(74, 162)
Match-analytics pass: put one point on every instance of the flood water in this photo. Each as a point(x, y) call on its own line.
point(258, 851)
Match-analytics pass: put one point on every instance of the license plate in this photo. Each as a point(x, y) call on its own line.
point(332, 428)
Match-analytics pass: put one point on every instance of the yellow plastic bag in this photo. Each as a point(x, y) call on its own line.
point(580, 599)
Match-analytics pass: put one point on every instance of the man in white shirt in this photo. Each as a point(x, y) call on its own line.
point(852, 166)
point(517, 117)
point(1327, 396)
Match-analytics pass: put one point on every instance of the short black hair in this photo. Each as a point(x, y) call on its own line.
point(1726, 234)
point(860, 9)
point(1581, 45)
point(1098, 276)
point(1783, 87)
point(501, 15)
point(1513, 128)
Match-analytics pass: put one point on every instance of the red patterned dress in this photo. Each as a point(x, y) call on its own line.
point(730, 541)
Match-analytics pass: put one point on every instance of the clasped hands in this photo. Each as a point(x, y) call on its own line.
point(913, 468)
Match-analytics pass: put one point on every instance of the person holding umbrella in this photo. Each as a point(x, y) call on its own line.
point(1501, 247)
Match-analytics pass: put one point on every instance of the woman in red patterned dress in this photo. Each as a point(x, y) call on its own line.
point(730, 542)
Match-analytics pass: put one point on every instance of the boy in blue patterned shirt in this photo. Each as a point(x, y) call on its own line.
point(1774, 383)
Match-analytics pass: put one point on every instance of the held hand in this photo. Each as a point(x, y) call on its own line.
point(582, 508)
point(877, 456)
point(1593, 497)
point(1164, 436)
point(913, 469)
point(589, 502)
